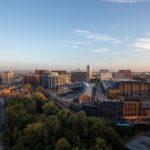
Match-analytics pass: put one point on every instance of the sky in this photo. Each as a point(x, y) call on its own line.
point(70, 34)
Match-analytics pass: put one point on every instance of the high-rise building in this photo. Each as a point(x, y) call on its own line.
point(7, 77)
point(89, 72)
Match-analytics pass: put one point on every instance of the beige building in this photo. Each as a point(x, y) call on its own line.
point(7, 77)
point(105, 75)
point(55, 80)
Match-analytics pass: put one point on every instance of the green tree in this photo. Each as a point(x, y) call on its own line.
point(40, 100)
point(62, 144)
point(50, 108)
point(102, 144)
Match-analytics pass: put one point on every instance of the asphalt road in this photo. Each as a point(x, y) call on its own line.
point(101, 94)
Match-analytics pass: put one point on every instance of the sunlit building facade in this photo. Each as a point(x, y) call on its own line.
point(7, 77)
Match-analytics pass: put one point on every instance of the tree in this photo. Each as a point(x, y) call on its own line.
point(102, 144)
point(95, 147)
point(41, 88)
point(50, 108)
point(27, 87)
point(35, 123)
point(40, 100)
point(62, 144)
point(64, 115)
point(49, 131)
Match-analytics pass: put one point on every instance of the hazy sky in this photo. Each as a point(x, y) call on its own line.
point(68, 34)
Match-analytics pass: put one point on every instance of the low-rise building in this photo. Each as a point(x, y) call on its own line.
point(111, 109)
point(110, 87)
point(105, 75)
point(132, 110)
point(86, 95)
point(123, 74)
point(127, 88)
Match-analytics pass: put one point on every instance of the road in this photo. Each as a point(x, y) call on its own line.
point(60, 102)
point(100, 92)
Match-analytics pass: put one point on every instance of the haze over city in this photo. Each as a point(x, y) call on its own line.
point(69, 34)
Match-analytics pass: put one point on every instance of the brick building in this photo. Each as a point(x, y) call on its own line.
point(123, 74)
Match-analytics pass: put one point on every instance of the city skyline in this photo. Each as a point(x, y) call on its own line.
point(111, 34)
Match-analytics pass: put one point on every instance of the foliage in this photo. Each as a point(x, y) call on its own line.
point(62, 144)
point(27, 87)
point(49, 108)
point(35, 123)
point(40, 88)
point(112, 96)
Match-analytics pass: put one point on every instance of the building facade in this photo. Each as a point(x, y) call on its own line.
point(135, 110)
point(134, 89)
point(111, 110)
point(78, 76)
point(53, 80)
point(89, 72)
point(123, 74)
point(105, 75)
point(7, 77)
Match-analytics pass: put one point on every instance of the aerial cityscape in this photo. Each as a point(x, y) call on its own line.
point(75, 75)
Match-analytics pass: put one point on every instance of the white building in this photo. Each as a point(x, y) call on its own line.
point(105, 75)
point(89, 72)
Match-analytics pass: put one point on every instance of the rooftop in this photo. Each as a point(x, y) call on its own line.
point(107, 84)
point(141, 143)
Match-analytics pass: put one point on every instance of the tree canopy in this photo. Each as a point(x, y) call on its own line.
point(35, 123)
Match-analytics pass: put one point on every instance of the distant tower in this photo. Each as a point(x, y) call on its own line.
point(89, 72)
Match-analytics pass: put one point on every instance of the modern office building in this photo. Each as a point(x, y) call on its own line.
point(89, 72)
point(55, 79)
point(7, 77)
point(78, 76)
